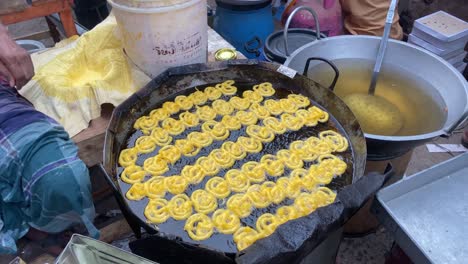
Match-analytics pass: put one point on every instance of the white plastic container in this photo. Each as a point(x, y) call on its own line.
point(444, 53)
point(159, 34)
point(442, 30)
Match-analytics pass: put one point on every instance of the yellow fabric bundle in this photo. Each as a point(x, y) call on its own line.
point(74, 79)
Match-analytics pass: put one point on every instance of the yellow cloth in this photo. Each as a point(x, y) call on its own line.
point(76, 77)
point(367, 17)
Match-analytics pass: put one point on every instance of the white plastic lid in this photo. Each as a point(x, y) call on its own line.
point(442, 26)
point(148, 3)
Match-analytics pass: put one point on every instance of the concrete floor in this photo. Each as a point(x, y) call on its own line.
point(368, 249)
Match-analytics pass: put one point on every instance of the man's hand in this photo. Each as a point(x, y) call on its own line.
point(15, 63)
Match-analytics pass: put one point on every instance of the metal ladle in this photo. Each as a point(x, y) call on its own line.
point(383, 46)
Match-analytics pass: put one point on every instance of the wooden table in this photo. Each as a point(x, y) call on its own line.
point(91, 140)
point(43, 8)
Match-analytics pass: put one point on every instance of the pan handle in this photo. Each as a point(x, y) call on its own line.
point(332, 65)
point(286, 26)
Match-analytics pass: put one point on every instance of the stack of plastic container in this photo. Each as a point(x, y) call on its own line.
point(444, 35)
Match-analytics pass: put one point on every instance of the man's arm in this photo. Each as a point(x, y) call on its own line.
point(15, 63)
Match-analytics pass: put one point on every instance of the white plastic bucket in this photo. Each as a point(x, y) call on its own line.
point(159, 34)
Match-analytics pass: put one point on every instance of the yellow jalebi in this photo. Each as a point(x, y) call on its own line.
point(274, 125)
point(247, 118)
point(272, 165)
point(199, 227)
point(291, 160)
point(145, 144)
point(227, 88)
point(292, 122)
point(216, 130)
point(180, 207)
point(258, 196)
point(155, 187)
point(128, 157)
point(189, 119)
point(156, 211)
point(172, 126)
point(187, 147)
point(237, 181)
point(254, 171)
point(251, 145)
point(200, 139)
point(234, 149)
point(239, 103)
point(194, 174)
point(288, 106)
point(203, 201)
point(245, 237)
point(145, 124)
point(273, 106)
point(335, 140)
point(300, 100)
point(267, 224)
point(170, 153)
point(264, 89)
point(223, 158)
point(133, 174)
point(261, 133)
point(159, 114)
point(286, 213)
point(260, 111)
point(198, 98)
point(136, 192)
point(155, 166)
point(252, 96)
point(218, 187)
point(225, 221)
point(184, 102)
point(240, 204)
point(275, 193)
point(213, 93)
point(161, 137)
point(209, 165)
point(176, 184)
point(222, 107)
point(171, 107)
point(231, 122)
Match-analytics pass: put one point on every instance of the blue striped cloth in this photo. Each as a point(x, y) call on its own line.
point(43, 183)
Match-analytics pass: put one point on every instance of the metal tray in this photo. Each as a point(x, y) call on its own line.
point(427, 213)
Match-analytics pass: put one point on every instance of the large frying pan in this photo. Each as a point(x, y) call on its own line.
point(182, 80)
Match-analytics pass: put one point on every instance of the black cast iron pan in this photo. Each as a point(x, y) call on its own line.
point(183, 80)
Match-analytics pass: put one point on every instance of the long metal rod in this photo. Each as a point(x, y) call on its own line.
point(383, 46)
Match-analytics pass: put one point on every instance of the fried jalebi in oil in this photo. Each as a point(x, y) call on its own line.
point(264, 89)
point(231, 122)
point(267, 224)
point(213, 93)
point(252, 96)
point(180, 207)
point(161, 137)
point(222, 107)
point(184, 102)
point(254, 171)
point(128, 157)
point(250, 144)
point(136, 192)
point(172, 126)
point(209, 165)
point(240, 204)
point(225, 221)
point(203, 201)
point(247, 118)
point(155, 165)
point(199, 227)
point(239, 103)
point(234, 149)
point(245, 237)
point(156, 211)
point(176, 184)
point(133, 174)
point(189, 119)
point(261, 133)
point(218, 187)
point(155, 187)
point(237, 181)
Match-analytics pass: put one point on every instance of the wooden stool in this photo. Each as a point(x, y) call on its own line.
point(43, 8)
